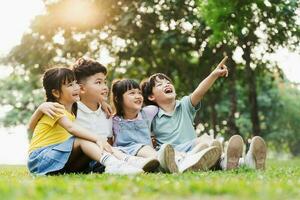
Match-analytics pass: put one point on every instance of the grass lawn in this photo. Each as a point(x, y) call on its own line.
point(281, 180)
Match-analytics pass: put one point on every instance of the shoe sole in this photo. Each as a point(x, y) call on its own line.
point(170, 159)
point(218, 144)
point(234, 152)
point(259, 152)
point(151, 166)
point(208, 160)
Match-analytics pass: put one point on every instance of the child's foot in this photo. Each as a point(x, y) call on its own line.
point(233, 153)
point(122, 168)
point(166, 157)
point(202, 160)
point(147, 164)
point(218, 144)
point(257, 153)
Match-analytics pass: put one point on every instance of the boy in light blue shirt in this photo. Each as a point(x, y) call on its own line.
point(176, 127)
point(174, 122)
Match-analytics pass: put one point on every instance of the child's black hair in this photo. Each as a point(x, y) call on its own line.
point(119, 87)
point(54, 78)
point(148, 84)
point(84, 68)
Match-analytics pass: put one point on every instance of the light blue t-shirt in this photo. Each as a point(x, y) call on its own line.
point(176, 128)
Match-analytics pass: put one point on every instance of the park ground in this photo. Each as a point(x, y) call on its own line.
point(281, 180)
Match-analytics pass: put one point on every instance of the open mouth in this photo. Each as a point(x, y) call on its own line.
point(104, 94)
point(138, 102)
point(168, 90)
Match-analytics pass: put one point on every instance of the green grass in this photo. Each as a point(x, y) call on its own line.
point(281, 180)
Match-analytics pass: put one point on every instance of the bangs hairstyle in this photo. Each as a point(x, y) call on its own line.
point(148, 84)
point(119, 87)
point(84, 68)
point(54, 78)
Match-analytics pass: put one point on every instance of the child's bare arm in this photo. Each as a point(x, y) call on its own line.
point(199, 92)
point(51, 109)
point(84, 134)
point(107, 109)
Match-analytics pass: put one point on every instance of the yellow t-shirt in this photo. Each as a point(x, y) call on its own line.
point(48, 132)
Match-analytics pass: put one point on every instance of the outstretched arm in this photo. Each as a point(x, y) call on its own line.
point(199, 92)
point(51, 109)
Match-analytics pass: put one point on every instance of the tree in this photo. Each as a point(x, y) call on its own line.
point(248, 24)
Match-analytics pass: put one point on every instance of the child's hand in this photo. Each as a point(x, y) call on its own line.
point(51, 109)
point(221, 69)
point(103, 144)
point(107, 109)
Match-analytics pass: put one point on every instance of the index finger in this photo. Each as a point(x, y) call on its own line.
point(223, 61)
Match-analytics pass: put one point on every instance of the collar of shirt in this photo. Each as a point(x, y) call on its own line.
point(161, 112)
point(118, 118)
point(85, 109)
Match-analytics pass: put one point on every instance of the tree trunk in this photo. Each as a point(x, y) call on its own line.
point(252, 95)
point(232, 127)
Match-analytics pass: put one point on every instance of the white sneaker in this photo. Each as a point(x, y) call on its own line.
point(122, 168)
point(166, 157)
point(147, 164)
point(202, 160)
point(233, 153)
point(218, 144)
point(257, 154)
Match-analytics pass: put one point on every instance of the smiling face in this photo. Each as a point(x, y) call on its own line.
point(132, 100)
point(68, 94)
point(94, 88)
point(127, 97)
point(163, 91)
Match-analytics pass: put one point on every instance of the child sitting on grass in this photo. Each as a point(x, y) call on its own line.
point(173, 123)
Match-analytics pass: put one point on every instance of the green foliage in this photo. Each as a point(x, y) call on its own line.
point(285, 119)
point(279, 181)
point(184, 39)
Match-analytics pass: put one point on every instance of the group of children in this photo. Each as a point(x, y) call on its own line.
point(72, 132)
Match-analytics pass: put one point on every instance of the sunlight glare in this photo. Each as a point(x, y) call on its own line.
point(78, 13)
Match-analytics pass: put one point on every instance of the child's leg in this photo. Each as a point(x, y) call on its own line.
point(120, 154)
point(199, 147)
point(204, 139)
point(83, 152)
point(92, 150)
point(148, 164)
point(147, 152)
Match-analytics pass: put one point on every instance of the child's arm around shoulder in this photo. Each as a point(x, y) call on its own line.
point(199, 92)
point(150, 111)
point(50, 109)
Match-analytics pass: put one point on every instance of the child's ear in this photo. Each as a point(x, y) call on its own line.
point(55, 93)
point(82, 89)
point(151, 97)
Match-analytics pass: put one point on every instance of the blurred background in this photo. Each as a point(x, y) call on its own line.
point(184, 39)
